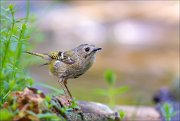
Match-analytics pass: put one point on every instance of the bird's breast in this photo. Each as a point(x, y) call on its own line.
point(79, 68)
point(63, 70)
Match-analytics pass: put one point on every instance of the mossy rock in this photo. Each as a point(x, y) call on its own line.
point(32, 105)
point(87, 111)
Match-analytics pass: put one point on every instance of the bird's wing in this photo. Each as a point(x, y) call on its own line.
point(65, 57)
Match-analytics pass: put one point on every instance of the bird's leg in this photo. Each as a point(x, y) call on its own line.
point(61, 81)
point(65, 84)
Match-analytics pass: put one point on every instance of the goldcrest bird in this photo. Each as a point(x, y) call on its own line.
point(69, 64)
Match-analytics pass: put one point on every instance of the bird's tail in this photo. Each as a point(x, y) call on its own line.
point(44, 56)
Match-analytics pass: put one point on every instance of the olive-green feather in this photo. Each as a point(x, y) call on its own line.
point(54, 55)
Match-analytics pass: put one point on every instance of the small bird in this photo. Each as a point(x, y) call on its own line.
point(69, 64)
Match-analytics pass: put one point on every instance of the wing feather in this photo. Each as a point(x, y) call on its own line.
point(65, 57)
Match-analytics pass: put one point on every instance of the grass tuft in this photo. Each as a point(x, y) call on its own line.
point(14, 34)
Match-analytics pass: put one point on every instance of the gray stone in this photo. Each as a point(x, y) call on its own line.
point(87, 111)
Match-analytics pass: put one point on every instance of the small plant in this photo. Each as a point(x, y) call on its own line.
point(122, 115)
point(111, 92)
point(5, 115)
point(14, 34)
point(30, 104)
point(168, 111)
point(74, 104)
point(48, 116)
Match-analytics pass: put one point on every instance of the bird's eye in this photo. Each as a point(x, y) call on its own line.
point(59, 53)
point(87, 49)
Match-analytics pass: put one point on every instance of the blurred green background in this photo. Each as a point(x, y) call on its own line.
point(140, 41)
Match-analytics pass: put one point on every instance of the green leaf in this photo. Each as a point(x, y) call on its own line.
point(167, 111)
point(31, 112)
point(16, 37)
point(20, 20)
point(48, 98)
point(12, 84)
point(11, 7)
point(23, 26)
point(101, 92)
point(110, 77)
point(121, 89)
point(74, 104)
point(5, 115)
point(122, 114)
point(30, 81)
point(6, 17)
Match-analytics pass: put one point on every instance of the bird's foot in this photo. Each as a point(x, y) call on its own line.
point(65, 100)
point(69, 100)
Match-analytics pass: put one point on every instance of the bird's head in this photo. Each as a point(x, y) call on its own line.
point(86, 51)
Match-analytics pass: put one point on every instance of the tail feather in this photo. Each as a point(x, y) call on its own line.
point(44, 56)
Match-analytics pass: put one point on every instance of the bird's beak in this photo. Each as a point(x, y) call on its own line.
point(96, 49)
